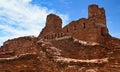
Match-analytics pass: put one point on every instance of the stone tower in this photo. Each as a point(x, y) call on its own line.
point(53, 25)
point(97, 14)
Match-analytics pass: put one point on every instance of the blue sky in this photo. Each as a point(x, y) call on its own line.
point(27, 17)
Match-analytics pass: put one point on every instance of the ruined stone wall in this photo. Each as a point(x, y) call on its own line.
point(18, 46)
point(26, 63)
point(86, 32)
point(76, 50)
point(92, 29)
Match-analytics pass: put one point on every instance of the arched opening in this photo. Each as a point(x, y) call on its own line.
point(102, 32)
point(84, 26)
point(55, 35)
point(67, 29)
point(61, 34)
point(51, 36)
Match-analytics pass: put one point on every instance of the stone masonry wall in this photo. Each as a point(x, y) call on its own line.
point(91, 29)
point(17, 46)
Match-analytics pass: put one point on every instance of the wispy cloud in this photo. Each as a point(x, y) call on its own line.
point(21, 18)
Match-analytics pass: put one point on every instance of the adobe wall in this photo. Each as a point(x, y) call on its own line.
point(17, 46)
point(91, 29)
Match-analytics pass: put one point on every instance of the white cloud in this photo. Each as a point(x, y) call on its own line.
point(21, 18)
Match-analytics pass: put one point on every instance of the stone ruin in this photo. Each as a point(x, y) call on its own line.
point(84, 45)
point(91, 29)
